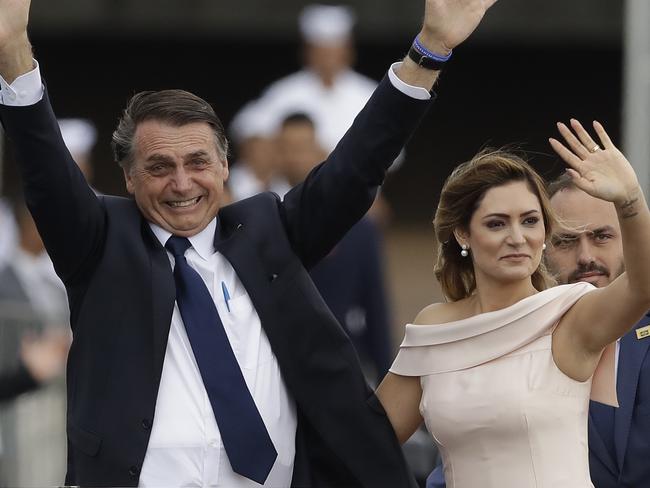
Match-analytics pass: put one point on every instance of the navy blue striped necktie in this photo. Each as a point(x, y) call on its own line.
point(250, 450)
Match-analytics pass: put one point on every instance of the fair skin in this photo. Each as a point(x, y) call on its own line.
point(587, 246)
point(177, 175)
point(505, 238)
point(576, 345)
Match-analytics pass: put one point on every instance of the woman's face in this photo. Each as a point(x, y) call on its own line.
point(506, 234)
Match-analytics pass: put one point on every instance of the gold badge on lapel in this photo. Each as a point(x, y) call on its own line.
point(643, 332)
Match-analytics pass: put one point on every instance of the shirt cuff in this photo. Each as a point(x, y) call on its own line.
point(27, 89)
point(416, 92)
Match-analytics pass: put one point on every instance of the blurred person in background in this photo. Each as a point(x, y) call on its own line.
point(350, 278)
point(41, 359)
point(154, 282)
point(505, 321)
point(80, 137)
point(327, 88)
point(256, 168)
point(33, 303)
point(587, 246)
point(30, 274)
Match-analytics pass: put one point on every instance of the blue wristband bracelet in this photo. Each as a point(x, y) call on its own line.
point(425, 52)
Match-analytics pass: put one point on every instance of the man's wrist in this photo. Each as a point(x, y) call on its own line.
point(413, 91)
point(16, 59)
point(431, 43)
point(425, 58)
point(629, 206)
point(26, 89)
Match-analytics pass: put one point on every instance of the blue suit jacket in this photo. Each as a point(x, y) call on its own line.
point(619, 438)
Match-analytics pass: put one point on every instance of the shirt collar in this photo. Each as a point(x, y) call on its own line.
point(203, 242)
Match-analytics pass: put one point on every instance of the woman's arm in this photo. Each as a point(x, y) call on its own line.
point(400, 397)
point(602, 316)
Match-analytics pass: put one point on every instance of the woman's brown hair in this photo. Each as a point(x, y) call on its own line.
point(461, 195)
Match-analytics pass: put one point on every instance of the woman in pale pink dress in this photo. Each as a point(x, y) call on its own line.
point(502, 372)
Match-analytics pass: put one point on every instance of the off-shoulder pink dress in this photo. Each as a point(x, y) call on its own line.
point(502, 413)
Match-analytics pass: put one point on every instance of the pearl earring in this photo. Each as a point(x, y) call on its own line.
point(463, 251)
point(544, 247)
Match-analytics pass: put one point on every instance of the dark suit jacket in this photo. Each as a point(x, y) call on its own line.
point(619, 438)
point(121, 293)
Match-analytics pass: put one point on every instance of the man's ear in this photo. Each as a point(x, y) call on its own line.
point(128, 180)
point(226, 171)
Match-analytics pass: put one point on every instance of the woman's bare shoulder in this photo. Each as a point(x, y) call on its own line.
point(441, 313)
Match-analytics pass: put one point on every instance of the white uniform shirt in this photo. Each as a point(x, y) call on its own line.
point(332, 109)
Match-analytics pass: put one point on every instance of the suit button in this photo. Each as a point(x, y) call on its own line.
point(273, 277)
point(134, 471)
point(146, 424)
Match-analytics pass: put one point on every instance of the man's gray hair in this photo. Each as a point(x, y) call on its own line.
point(174, 107)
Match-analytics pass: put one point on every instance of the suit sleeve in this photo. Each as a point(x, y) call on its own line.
point(338, 192)
point(69, 217)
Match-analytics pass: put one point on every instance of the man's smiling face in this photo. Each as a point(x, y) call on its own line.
point(177, 176)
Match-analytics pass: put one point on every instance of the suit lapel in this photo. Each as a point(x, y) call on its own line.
point(163, 297)
point(597, 444)
point(631, 355)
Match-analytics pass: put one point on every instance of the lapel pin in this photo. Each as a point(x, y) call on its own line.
point(643, 332)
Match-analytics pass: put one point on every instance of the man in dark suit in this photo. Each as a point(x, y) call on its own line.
point(202, 352)
point(590, 249)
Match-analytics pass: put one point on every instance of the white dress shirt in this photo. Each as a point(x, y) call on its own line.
point(332, 108)
point(185, 447)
